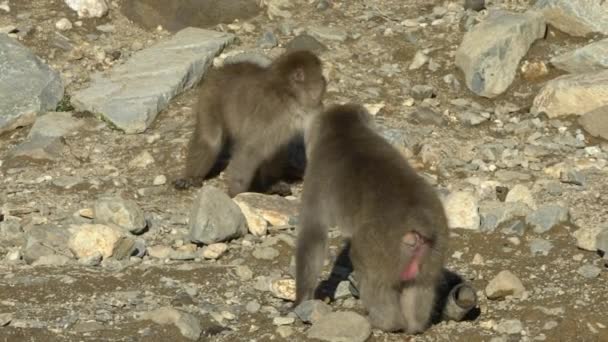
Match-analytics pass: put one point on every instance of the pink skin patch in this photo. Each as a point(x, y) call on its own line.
point(419, 245)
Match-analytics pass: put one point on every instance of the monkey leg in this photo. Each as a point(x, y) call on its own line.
point(382, 304)
point(417, 304)
point(204, 147)
point(310, 253)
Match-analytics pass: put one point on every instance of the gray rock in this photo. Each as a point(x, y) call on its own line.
point(490, 53)
point(124, 213)
point(27, 85)
point(573, 176)
point(188, 325)
point(327, 33)
point(427, 116)
point(54, 125)
point(5, 319)
point(517, 227)
point(494, 213)
point(601, 242)
point(595, 122)
point(589, 271)
point(471, 118)
point(547, 217)
point(577, 18)
point(540, 246)
point(250, 57)
point(592, 57)
point(311, 311)
point(133, 93)
point(587, 237)
point(341, 327)
point(421, 92)
point(45, 240)
point(215, 217)
point(52, 260)
point(268, 40)
point(475, 5)
point(572, 94)
point(253, 306)
point(10, 230)
point(265, 253)
point(305, 42)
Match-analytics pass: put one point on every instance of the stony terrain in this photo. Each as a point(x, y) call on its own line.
point(503, 109)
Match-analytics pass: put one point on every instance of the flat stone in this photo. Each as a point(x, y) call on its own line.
point(341, 326)
point(595, 122)
point(131, 94)
point(589, 58)
point(262, 211)
point(124, 213)
point(462, 210)
point(504, 284)
point(305, 42)
point(589, 271)
point(5, 319)
point(45, 240)
point(572, 95)
point(188, 325)
point(490, 53)
point(215, 217)
point(327, 33)
point(578, 18)
point(547, 217)
point(509, 327)
point(540, 246)
point(587, 237)
point(27, 85)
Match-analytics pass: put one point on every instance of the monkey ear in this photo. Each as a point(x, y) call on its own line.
point(298, 75)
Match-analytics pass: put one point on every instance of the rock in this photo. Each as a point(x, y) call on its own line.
point(327, 33)
point(589, 271)
point(265, 253)
point(284, 331)
point(131, 94)
point(572, 176)
point(586, 237)
point(262, 210)
point(305, 42)
point(63, 24)
point(52, 260)
point(578, 18)
point(521, 193)
point(533, 70)
point(509, 327)
point(142, 160)
point(44, 139)
point(5, 319)
point(160, 252)
point(595, 122)
point(160, 180)
point(4, 6)
point(89, 239)
point(540, 246)
point(421, 92)
point(420, 59)
point(590, 58)
point(278, 321)
point(547, 217)
point(253, 306)
point(341, 327)
point(427, 116)
point(45, 240)
point(601, 242)
point(490, 53)
point(462, 210)
point(177, 15)
point(124, 213)
point(284, 289)
point(244, 272)
point(504, 284)
point(188, 325)
point(572, 95)
point(27, 85)
point(88, 8)
point(475, 5)
point(215, 217)
point(251, 57)
point(311, 311)
point(268, 40)
point(214, 251)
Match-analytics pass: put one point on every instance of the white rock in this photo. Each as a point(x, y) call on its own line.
point(462, 210)
point(88, 8)
point(63, 24)
point(504, 284)
point(89, 239)
point(521, 193)
point(257, 225)
point(214, 250)
point(284, 289)
point(586, 238)
point(160, 180)
point(142, 160)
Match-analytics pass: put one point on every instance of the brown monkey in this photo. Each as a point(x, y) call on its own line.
point(395, 221)
point(256, 110)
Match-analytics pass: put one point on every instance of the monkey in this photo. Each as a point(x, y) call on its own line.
point(256, 111)
point(393, 219)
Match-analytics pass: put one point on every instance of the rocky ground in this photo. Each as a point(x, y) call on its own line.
point(504, 110)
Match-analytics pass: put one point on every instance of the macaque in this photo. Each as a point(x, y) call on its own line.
point(256, 111)
point(394, 220)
